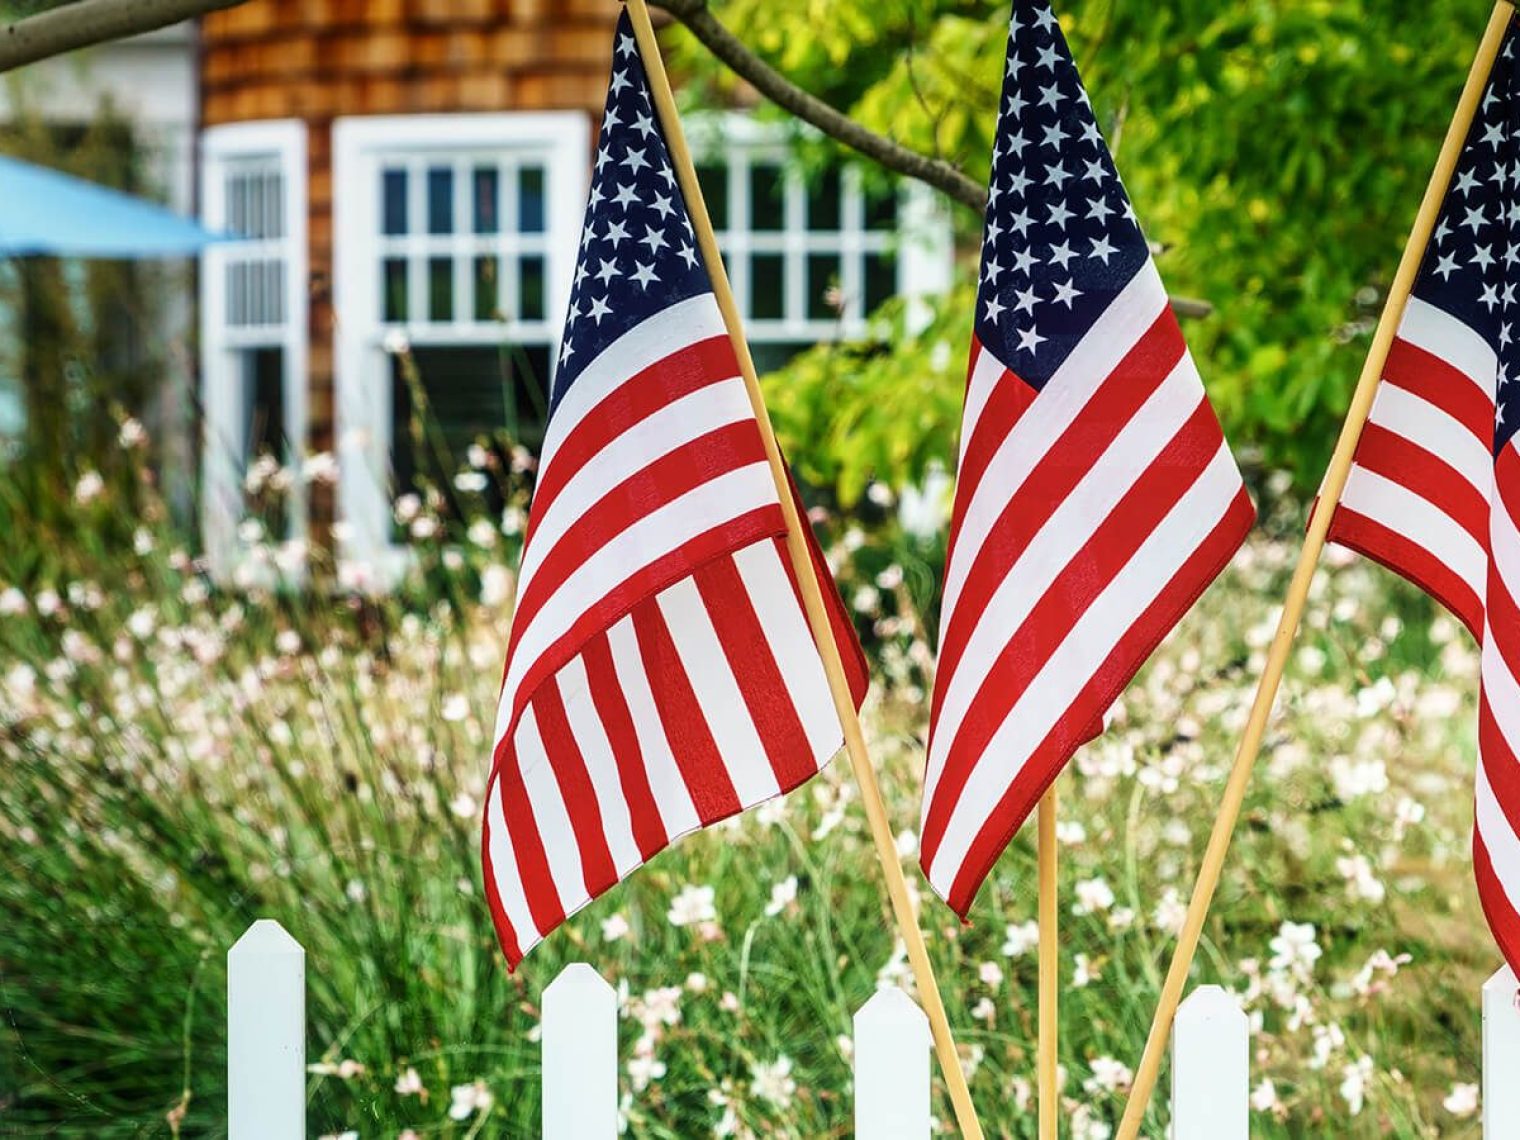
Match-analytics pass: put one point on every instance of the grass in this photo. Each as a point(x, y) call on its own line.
point(177, 761)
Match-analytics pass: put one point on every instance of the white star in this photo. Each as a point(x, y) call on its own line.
point(1023, 261)
point(653, 238)
point(1509, 294)
point(1017, 104)
point(1091, 134)
point(991, 271)
point(994, 230)
point(1504, 334)
point(1018, 183)
point(608, 271)
point(1016, 144)
point(1499, 414)
point(1056, 176)
point(1026, 300)
point(1045, 19)
point(624, 197)
point(634, 160)
point(661, 205)
point(603, 157)
point(1446, 266)
point(1066, 293)
point(1490, 297)
point(1049, 57)
point(1443, 231)
point(566, 350)
point(1467, 182)
point(616, 232)
point(688, 255)
point(1095, 171)
point(1475, 219)
point(1055, 136)
point(627, 45)
point(1062, 254)
point(599, 309)
point(1059, 213)
point(1483, 257)
point(1098, 209)
point(1494, 135)
point(643, 124)
point(1051, 96)
point(644, 274)
point(1103, 249)
point(1021, 222)
point(994, 310)
point(1030, 339)
point(610, 120)
point(619, 81)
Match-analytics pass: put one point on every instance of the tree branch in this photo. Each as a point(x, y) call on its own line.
point(948, 179)
point(89, 22)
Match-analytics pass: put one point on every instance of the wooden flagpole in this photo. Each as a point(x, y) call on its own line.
point(1298, 591)
point(1048, 1052)
point(807, 580)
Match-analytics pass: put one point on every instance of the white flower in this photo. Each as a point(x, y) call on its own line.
point(693, 905)
point(466, 1100)
point(1264, 1097)
point(783, 894)
point(1170, 912)
point(1357, 1077)
point(482, 533)
point(774, 1082)
point(496, 586)
point(866, 600)
point(131, 435)
point(1092, 895)
point(409, 1083)
point(644, 1068)
point(1294, 950)
point(470, 482)
point(1361, 883)
point(463, 805)
point(396, 344)
point(455, 708)
point(407, 507)
point(320, 468)
point(1020, 939)
point(991, 974)
point(89, 487)
point(1462, 1102)
point(1108, 1075)
point(345, 1070)
point(288, 642)
point(1085, 972)
point(12, 602)
point(890, 578)
point(614, 929)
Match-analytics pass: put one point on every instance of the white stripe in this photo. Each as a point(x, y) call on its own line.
point(1423, 424)
point(666, 784)
point(645, 541)
point(717, 692)
point(986, 373)
point(791, 643)
point(1442, 335)
point(601, 765)
point(1089, 642)
point(1074, 383)
point(642, 346)
point(1418, 521)
point(1501, 689)
point(648, 441)
point(1500, 841)
point(509, 886)
point(1504, 542)
point(1050, 551)
point(550, 814)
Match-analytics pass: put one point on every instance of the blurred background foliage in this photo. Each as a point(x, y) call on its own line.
point(1276, 151)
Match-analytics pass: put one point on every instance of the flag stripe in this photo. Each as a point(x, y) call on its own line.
point(1402, 459)
point(551, 813)
point(611, 701)
point(588, 739)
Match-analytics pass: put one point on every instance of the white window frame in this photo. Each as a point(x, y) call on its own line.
point(222, 496)
point(362, 146)
point(923, 239)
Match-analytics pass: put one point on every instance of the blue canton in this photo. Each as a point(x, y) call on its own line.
point(1061, 239)
point(1470, 267)
point(638, 254)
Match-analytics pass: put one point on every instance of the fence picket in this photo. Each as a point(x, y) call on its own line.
point(1211, 1068)
point(580, 1056)
point(1501, 1056)
point(266, 1035)
point(891, 1068)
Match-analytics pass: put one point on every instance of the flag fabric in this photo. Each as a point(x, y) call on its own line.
point(1434, 490)
point(1096, 497)
point(660, 672)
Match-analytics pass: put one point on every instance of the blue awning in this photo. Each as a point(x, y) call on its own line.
point(44, 212)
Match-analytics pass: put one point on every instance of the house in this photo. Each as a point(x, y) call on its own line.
point(399, 168)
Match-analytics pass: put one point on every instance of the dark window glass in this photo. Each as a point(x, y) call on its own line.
point(393, 202)
point(881, 208)
point(881, 280)
point(530, 200)
point(714, 183)
point(823, 286)
point(440, 195)
point(487, 292)
point(770, 356)
point(395, 305)
point(263, 398)
point(487, 184)
point(767, 286)
point(440, 289)
point(825, 195)
point(530, 295)
point(767, 197)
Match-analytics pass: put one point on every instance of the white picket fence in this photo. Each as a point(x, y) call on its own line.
point(266, 1055)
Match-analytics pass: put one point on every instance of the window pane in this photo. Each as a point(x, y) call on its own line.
point(767, 291)
point(440, 186)
point(487, 195)
point(263, 403)
point(530, 199)
point(714, 182)
point(440, 289)
point(767, 197)
point(487, 302)
point(881, 279)
point(881, 208)
point(395, 305)
point(823, 299)
point(823, 201)
point(237, 293)
point(393, 202)
point(530, 295)
point(772, 355)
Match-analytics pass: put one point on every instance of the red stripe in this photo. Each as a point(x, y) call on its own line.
point(527, 845)
point(1067, 462)
point(506, 934)
point(1399, 460)
point(1427, 376)
point(757, 525)
point(665, 480)
point(1093, 569)
point(1497, 756)
point(1005, 405)
point(1387, 547)
point(732, 612)
point(691, 741)
point(683, 372)
point(612, 707)
point(1498, 908)
point(575, 787)
point(1100, 692)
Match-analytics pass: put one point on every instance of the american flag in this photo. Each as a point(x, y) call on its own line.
point(660, 672)
point(1096, 496)
point(1434, 492)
